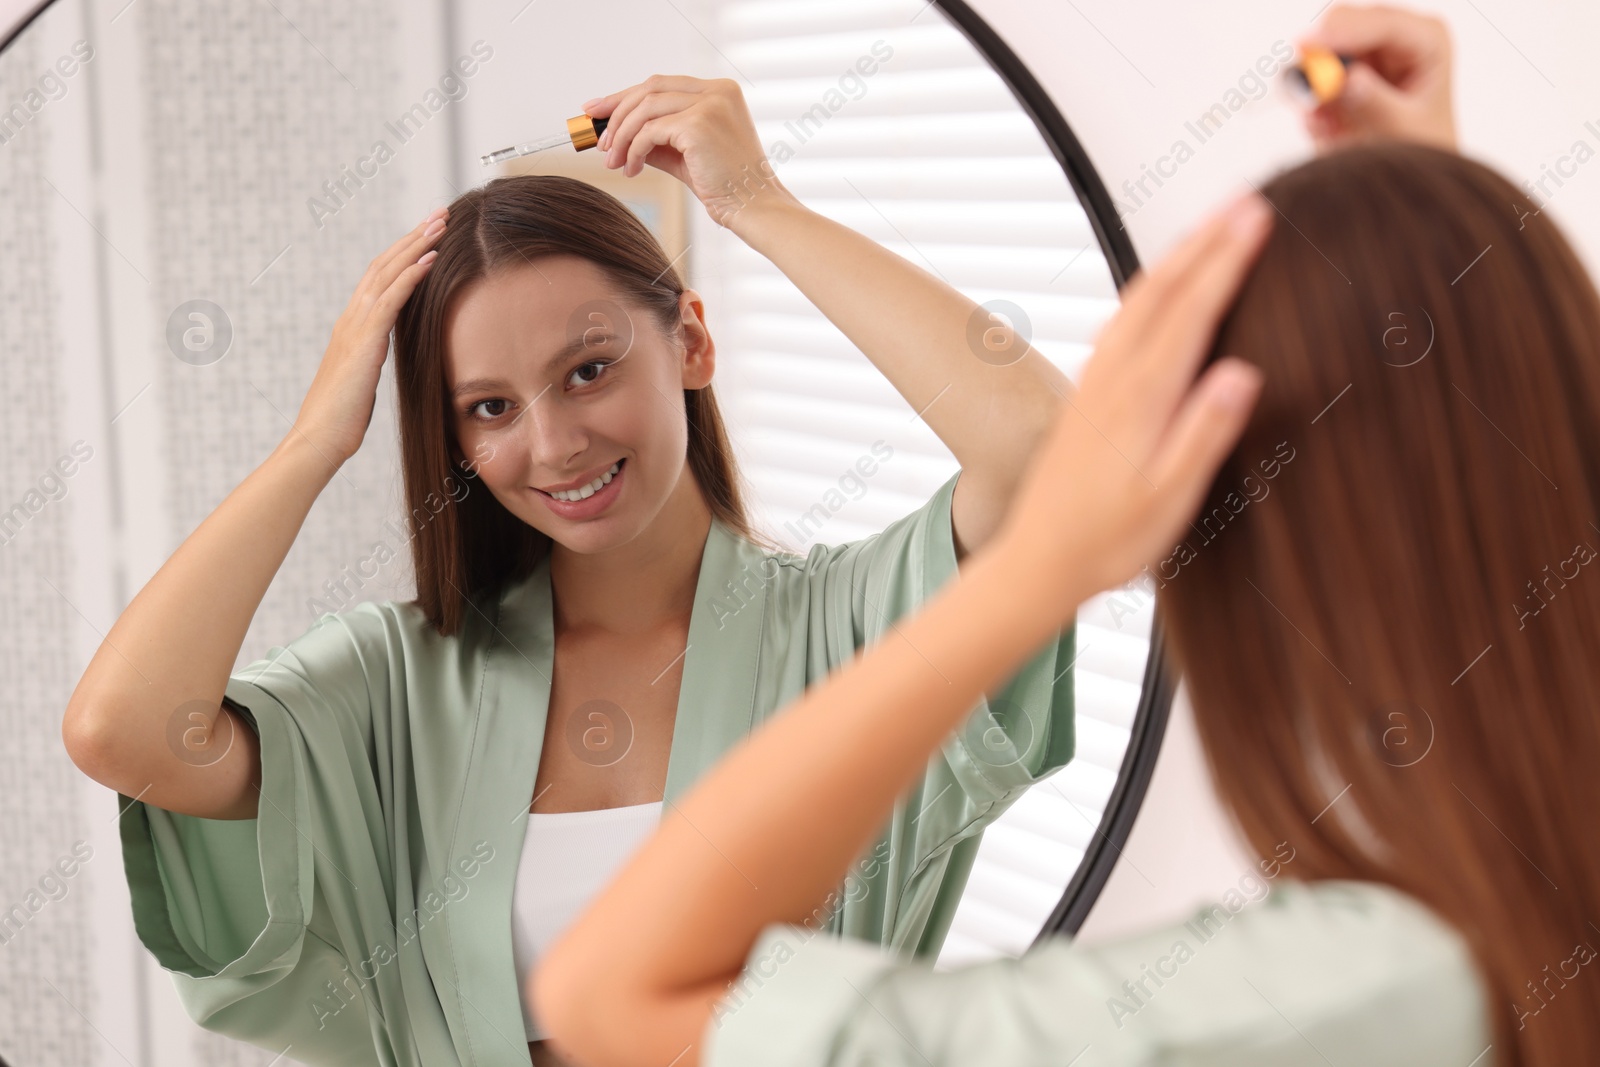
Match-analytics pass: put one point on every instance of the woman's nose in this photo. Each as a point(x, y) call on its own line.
point(553, 442)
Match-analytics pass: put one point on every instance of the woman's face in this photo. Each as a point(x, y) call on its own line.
point(552, 381)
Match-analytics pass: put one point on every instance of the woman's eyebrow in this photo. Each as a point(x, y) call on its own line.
point(577, 344)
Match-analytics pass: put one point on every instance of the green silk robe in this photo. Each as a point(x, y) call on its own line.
point(364, 915)
point(1319, 973)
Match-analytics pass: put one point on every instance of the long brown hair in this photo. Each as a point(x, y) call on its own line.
point(1385, 588)
point(466, 544)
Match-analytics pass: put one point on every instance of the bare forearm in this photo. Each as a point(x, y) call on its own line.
point(915, 328)
point(178, 639)
point(769, 831)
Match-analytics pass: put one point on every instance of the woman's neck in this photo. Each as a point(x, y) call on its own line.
point(640, 585)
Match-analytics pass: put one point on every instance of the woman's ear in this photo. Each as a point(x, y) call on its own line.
point(699, 351)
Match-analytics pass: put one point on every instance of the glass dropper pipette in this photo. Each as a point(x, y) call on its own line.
point(582, 132)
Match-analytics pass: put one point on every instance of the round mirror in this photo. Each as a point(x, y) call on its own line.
point(191, 191)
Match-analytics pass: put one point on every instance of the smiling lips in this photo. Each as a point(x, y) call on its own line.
point(587, 489)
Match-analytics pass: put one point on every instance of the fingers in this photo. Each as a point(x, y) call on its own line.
point(1394, 41)
point(663, 132)
point(1206, 429)
point(1227, 241)
point(619, 138)
point(1370, 103)
point(406, 240)
point(1142, 295)
point(1324, 123)
point(1399, 84)
point(618, 105)
point(405, 255)
point(387, 307)
point(1199, 298)
point(606, 106)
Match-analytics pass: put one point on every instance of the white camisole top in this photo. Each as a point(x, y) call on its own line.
point(567, 858)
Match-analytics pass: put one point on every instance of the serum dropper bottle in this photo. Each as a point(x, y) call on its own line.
point(582, 132)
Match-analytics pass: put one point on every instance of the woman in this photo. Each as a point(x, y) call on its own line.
point(444, 781)
point(1386, 633)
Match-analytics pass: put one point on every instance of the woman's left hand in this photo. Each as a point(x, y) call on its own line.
point(697, 130)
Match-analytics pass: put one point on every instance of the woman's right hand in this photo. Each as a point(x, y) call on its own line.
point(1133, 451)
point(1399, 86)
point(338, 407)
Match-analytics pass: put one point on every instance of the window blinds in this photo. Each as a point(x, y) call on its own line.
point(881, 115)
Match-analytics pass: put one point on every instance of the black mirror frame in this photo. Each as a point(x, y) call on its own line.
point(1155, 697)
point(12, 33)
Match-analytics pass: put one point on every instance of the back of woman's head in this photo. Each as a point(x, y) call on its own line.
point(1386, 611)
point(464, 541)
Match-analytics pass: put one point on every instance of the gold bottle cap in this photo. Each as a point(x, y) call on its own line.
point(1324, 73)
point(583, 132)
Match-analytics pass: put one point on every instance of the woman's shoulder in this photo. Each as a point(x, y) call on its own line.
point(1377, 922)
point(849, 589)
point(1335, 906)
point(1321, 951)
point(376, 618)
point(409, 619)
point(923, 525)
point(372, 658)
point(1308, 972)
point(376, 630)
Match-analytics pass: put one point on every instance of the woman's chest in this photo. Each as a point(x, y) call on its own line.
point(609, 726)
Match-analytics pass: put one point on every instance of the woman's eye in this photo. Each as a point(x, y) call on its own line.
point(594, 366)
point(583, 374)
point(473, 409)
